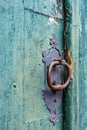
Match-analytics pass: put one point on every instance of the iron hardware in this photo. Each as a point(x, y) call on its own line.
point(56, 87)
point(53, 91)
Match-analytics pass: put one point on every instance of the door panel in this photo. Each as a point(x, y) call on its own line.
point(11, 64)
point(23, 36)
point(83, 66)
point(38, 31)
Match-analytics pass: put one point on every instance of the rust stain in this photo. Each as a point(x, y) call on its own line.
point(70, 61)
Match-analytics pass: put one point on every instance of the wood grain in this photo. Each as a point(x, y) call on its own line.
point(23, 36)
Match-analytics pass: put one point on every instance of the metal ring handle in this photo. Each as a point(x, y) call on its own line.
point(57, 86)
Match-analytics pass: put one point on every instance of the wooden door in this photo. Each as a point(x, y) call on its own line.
point(25, 29)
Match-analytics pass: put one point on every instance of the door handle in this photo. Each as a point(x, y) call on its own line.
point(56, 78)
point(57, 87)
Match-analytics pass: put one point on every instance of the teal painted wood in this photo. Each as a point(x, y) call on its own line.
point(75, 98)
point(83, 65)
point(23, 36)
point(11, 64)
point(38, 30)
point(71, 96)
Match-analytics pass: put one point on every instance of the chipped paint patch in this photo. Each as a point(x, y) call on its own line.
point(51, 21)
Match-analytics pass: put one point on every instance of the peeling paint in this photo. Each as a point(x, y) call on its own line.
point(52, 21)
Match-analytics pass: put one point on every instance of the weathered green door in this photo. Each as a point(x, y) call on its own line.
point(25, 29)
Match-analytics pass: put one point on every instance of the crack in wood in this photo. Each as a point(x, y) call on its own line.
point(44, 14)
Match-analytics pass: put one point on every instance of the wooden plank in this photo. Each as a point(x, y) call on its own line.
point(38, 30)
point(71, 96)
point(83, 65)
point(23, 35)
point(11, 64)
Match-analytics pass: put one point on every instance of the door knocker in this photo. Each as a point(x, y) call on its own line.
point(56, 79)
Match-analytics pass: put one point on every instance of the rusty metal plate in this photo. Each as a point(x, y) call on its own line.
point(53, 99)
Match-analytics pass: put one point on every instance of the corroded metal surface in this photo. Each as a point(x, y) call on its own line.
point(53, 99)
point(54, 61)
point(55, 86)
